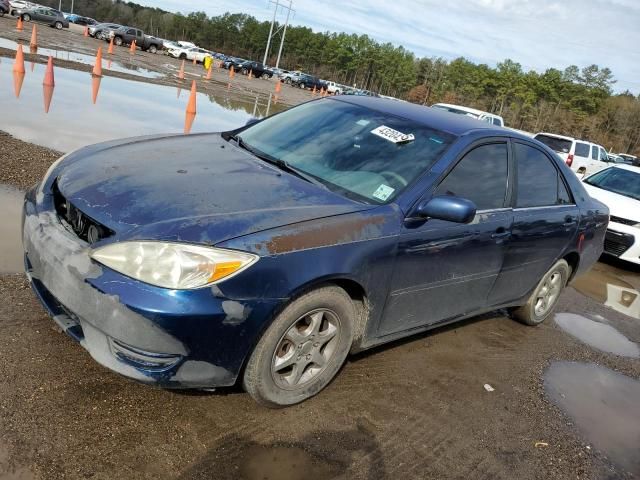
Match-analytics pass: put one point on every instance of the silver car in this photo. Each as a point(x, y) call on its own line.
point(49, 16)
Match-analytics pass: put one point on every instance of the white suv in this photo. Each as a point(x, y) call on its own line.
point(581, 156)
point(333, 87)
point(487, 117)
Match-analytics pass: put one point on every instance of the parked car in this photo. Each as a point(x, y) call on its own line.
point(581, 156)
point(45, 15)
point(472, 112)
point(190, 53)
point(308, 81)
point(5, 7)
point(290, 77)
point(258, 69)
point(15, 5)
point(277, 71)
point(630, 159)
point(281, 246)
point(79, 20)
point(618, 187)
point(126, 35)
point(101, 30)
point(233, 61)
point(335, 88)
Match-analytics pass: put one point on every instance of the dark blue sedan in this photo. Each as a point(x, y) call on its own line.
point(266, 254)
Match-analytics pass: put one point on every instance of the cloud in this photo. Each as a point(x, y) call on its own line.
point(539, 34)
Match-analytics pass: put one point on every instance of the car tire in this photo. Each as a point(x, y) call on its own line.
point(152, 49)
point(544, 298)
point(26, 17)
point(302, 86)
point(118, 41)
point(58, 25)
point(288, 81)
point(296, 337)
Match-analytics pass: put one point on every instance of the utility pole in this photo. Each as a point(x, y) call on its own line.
point(60, 6)
point(273, 21)
point(284, 33)
point(71, 6)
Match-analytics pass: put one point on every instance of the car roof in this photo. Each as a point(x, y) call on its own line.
point(432, 117)
point(623, 166)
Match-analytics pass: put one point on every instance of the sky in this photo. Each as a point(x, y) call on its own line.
point(538, 34)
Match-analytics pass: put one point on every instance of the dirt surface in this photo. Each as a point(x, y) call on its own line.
point(73, 40)
point(413, 409)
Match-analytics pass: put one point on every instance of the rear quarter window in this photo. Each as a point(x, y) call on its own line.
point(559, 145)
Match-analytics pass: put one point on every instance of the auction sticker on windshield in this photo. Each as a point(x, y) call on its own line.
point(392, 135)
point(383, 192)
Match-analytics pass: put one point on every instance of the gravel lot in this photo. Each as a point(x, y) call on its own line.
point(413, 409)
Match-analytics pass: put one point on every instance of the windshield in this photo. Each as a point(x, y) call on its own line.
point(354, 151)
point(617, 180)
point(558, 145)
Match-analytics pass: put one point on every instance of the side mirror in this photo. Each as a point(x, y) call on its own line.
point(251, 121)
point(449, 208)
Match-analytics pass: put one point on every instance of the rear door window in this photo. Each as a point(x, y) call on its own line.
point(539, 184)
point(582, 150)
point(594, 153)
point(481, 176)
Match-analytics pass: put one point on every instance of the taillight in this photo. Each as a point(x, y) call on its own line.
point(570, 159)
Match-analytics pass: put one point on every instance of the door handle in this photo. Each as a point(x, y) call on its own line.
point(501, 233)
point(569, 220)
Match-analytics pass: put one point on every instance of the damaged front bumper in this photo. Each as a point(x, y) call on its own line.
point(172, 338)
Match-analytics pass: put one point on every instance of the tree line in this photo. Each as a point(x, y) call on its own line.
point(576, 102)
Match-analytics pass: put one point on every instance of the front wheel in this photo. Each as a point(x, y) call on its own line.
point(58, 25)
point(303, 349)
point(288, 81)
point(545, 297)
point(118, 41)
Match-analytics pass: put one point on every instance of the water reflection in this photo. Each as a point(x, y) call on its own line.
point(87, 59)
point(605, 406)
point(610, 290)
point(123, 108)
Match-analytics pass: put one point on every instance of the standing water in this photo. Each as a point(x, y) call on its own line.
point(10, 236)
point(123, 108)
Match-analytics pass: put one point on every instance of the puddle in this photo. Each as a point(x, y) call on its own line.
point(608, 289)
point(283, 463)
point(10, 236)
point(122, 108)
point(597, 335)
point(604, 405)
point(87, 59)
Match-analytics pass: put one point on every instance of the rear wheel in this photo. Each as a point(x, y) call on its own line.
point(303, 349)
point(118, 41)
point(302, 86)
point(58, 25)
point(153, 49)
point(544, 298)
point(26, 17)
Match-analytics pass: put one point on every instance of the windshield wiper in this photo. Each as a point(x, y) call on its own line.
point(281, 164)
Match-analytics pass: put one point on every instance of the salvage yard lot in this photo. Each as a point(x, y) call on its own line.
point(414, 409)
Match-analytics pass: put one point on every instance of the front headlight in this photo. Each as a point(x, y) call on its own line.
point(173, 265)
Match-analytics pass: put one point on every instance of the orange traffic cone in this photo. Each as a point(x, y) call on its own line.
point(86, 31)
point(181, 71)
point(97, 68)
point(49, 79)
point(19, 25)
point(194, 60)
point(188, 122)
point(191, 106)
point(18, 80)
point(249, 74)
point(232, 72)
point(110, 51)
point(132, 49)
point(208, 77)
point(109, 65)
point(278, 86)
point(313, 92)
point(47, 94)
point(34, 38)
point(18, 64)
point(95, 88)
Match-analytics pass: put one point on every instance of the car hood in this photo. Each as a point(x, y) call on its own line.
point(197, 188)
point(619, 205)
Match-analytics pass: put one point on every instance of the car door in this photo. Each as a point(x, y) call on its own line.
point(545, 222)
point(445, 269)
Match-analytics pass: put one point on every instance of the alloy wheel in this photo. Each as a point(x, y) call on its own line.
point(548, 293)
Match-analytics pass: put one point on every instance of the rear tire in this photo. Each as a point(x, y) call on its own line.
point(302, 350)
point(26, 17)
point(118, 41)
point(153, 49)
point(544, 298)
point(58, 25)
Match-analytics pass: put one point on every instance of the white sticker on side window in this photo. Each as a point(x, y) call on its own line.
point(392, 135)
point(383, 192)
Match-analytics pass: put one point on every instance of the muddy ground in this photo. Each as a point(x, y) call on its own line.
point(413, 409)
point(73, 40)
